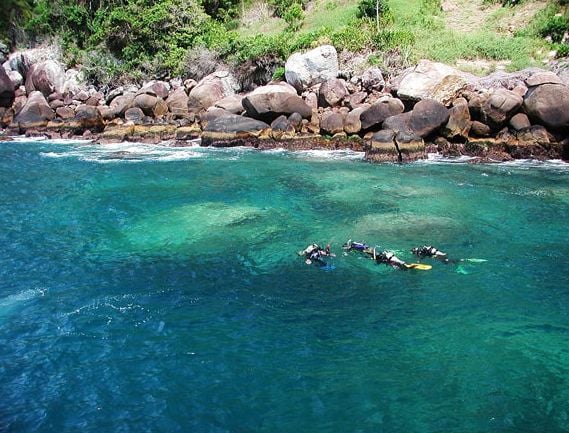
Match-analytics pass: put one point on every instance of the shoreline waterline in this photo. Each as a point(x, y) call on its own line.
point(172, 145)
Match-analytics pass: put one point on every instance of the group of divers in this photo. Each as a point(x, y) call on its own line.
point(313, 253)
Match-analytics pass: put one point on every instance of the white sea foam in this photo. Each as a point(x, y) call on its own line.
point(126, 152)
point(435, 158)
point(11, 301)
point(329, 154)
point(24, 139)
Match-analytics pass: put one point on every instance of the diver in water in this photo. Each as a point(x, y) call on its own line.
point(430, 251)
point(358, 246)
point(390, 259)
point(314, 253)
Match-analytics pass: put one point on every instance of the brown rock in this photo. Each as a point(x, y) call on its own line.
point(81, 96)
point(543, 78)
point(352, 122)
point(311, 100)
point(160, 109)
point(548, 104)
point(269, 102)
point(459, 122)
point(233, 104)
point(106, 112)
point(331, 123)
point(479, 129)
point(533, 136)
point(19, 103)
point(332, 92)
point(410, 146)
point(55, 104)
point(384, 140)
point(117, 133)
point(65, 113)
point(355, 100)
point(121, 103)
point(427, 117)
point(500, 107)
point(36, 113)
point(134, 115)
point(385, 107)
point(520, 121)
point(7, 94)
point(190, 132)
point(399, 122)
point(160, 89)
point(211, 89)
point(89, 117)
point(145, 102)
point(177, 102)
point(281, 127)
point(372, 79)
point(48, 77)
point(295, 119)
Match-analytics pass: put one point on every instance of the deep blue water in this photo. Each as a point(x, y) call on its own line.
point(159, 290)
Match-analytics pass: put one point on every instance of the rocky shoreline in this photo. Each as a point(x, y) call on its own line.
point(431, 108)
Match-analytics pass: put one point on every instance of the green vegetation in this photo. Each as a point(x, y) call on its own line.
point(122, 40)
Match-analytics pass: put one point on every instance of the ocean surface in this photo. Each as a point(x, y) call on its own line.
point(155, 289)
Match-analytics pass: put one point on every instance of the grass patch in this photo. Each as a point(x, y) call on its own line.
point(331, 14)
point(412, 30)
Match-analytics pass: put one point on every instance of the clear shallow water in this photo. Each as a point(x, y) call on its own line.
point(162, 292)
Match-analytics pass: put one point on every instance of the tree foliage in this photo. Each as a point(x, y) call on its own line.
point(13, 12)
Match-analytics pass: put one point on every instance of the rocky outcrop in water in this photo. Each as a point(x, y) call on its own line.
point(429, 108)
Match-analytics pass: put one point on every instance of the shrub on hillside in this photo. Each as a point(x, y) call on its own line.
point(555, 28)
point(294, 16)
point(372, 8)
point(200, 62)
point(257, 72)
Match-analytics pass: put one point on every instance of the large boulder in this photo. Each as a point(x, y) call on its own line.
point(548, 105)
point(352, 122)
point(282, 128)
point(269, 102)
point(36, 113)
point(427, 117)
point(134, 114)
point(233, 123)
point(520, 121)
point(230, 129)
point(211, 89)
point(7, 94)
point(88, 117)
point(430, 80)
point(399, 122)
point(312, 67)
point(331, 123)
point(156, 88)
point(332, 91)
point(145, 102)
point(16, 78)
point(385, 107)
point(48, 77)
point(233, 104)
point(500, 107)
point(459, 122)
point(177, 102)
point(122, 103)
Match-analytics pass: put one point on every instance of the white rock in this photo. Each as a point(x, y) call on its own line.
point(312, 67)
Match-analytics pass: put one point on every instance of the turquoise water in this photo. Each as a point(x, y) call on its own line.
point(148, 289)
